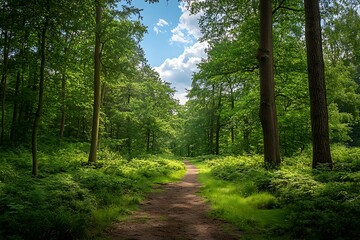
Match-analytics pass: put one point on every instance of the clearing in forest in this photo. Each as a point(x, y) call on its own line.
point(174, 212)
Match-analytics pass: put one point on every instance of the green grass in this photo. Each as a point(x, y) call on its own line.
point(240, 203)
point(292, 202)
point(71, 199)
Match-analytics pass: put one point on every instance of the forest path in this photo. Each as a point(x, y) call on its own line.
point(174, 213)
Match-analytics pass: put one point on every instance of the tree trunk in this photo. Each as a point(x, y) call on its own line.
point(317, 89)
point(63, 91)
point(218, 125)
point(13, 132)
point(246, 136)
point(63, 114)
point(232, 129)
point(217, 136)
point(153, 143)
point(148, 140)
point(3, 85)
point(212, 122)
point(41, 96)
point(97, 87)
point(267, 86)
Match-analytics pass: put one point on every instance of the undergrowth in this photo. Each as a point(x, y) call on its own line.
point(71, 199)
point(293, 202)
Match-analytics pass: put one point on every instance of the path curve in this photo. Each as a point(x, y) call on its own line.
point(175, 213)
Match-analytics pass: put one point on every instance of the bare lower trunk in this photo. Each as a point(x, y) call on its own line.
point(267, 86)
point(97, 89)
point(3, 86)
point(40, 102)
point(13, 132)
point(63, 113)
point(147, 140)
point(218, 125)
point(217, 136)
point(317, 89)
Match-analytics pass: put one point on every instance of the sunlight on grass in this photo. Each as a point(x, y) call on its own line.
point(253, 212)
point(171, 177)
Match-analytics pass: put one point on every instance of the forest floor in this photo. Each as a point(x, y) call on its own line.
point(174, 211)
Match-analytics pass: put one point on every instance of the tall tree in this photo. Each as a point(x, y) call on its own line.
point(317, 89)
point(97, 85)
point(3, 83)
point(267, 86)
point(41, 89)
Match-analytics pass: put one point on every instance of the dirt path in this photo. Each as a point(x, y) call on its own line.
point(176, 213)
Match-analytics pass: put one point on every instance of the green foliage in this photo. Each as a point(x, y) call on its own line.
point(307, 204)
point(71, 199)
point(239, 200)
point(225, 92)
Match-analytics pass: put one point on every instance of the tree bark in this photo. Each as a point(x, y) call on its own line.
point(267, 86)
point(148, 140)
point(217, 135)
point(63, 113)
point(97, 87)
point(317, 89)
point(63, 91)
point(13, 132)
point(41, 96)
point(232, 128)
point(3, 84)
point(218, 125)
point(212, 123)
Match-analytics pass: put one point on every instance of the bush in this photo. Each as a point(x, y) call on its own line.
point(321, 204)
point(65, 201)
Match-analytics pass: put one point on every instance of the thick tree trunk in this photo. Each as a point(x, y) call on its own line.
point(97, 88)
point(317, 89)
point(41, 96)
point(3, 85)
point(267, 86)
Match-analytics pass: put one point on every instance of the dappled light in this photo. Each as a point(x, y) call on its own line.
point(179, 120)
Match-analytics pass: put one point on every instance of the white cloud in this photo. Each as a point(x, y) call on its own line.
point(187, 31)
point(162, 23)
point(178, 71)
point(181, 97)
point(159, 25)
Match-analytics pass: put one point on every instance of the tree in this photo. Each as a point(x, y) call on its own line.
point(97, 86)
point(3, 83)
point(267, 86)
point(41, 89)
point(317, 89)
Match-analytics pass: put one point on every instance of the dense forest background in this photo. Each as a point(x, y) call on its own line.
point(52, 51)
point(138, 112)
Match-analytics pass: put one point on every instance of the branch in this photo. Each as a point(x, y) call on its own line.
point(278, 7)
point(284, 7)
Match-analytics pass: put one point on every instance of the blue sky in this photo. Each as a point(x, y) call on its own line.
point(171, 44)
